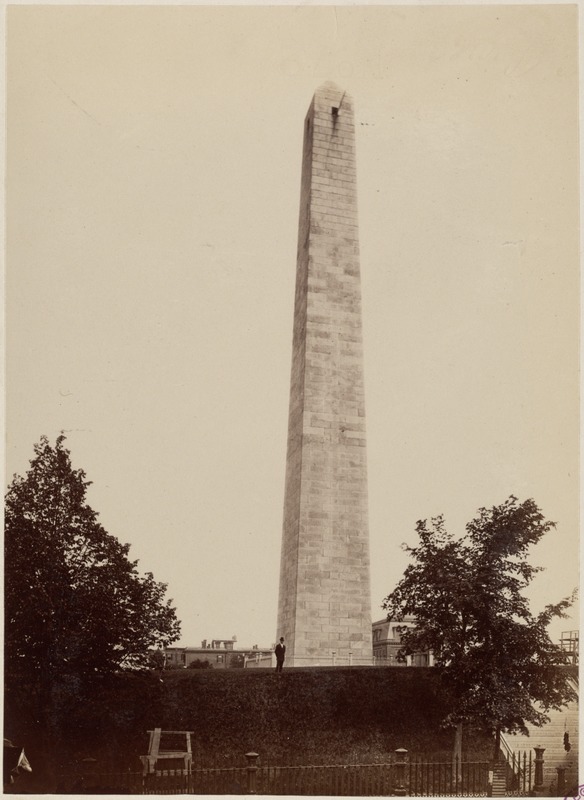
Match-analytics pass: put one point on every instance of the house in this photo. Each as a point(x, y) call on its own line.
point(260, 659)
point(387, 642)
point(219, 653)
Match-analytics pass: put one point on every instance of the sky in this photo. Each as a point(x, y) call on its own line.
point(153, 186)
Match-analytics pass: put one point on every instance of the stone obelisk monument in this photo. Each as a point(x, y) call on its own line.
point(324, 610)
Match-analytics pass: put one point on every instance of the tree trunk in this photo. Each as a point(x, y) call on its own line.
point(497, 754)
point(457, 755)
point(49, 723)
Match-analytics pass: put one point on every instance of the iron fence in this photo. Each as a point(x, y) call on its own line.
point(327, 780)
point(416, 776)
point(519, 774)
point(225, 780)
point(427, 778)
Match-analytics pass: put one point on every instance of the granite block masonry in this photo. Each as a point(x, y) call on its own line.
point(324, 610)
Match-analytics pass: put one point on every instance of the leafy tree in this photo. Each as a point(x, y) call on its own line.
point(199, 663)
point(75, 605)
point(496, 659)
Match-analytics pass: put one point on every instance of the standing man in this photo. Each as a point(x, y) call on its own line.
point(280, 654)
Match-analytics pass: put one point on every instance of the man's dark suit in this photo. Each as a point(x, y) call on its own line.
point(280, 656)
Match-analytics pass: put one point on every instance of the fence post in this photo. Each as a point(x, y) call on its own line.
point(538, 781)
point(490, 778)
point(252, 769)
point(334, 652)
point(400, 789)
point(561, 780)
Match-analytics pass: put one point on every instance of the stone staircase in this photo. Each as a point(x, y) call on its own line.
point(499, 786)
point(551, 736)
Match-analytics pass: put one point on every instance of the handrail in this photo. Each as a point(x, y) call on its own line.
point(512, 760)
point(505, 746)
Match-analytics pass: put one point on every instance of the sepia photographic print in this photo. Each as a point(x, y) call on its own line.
point(292, 400)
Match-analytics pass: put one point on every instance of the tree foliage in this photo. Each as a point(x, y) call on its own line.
point(200, 663)
point(75, 605)
point(496, 658)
